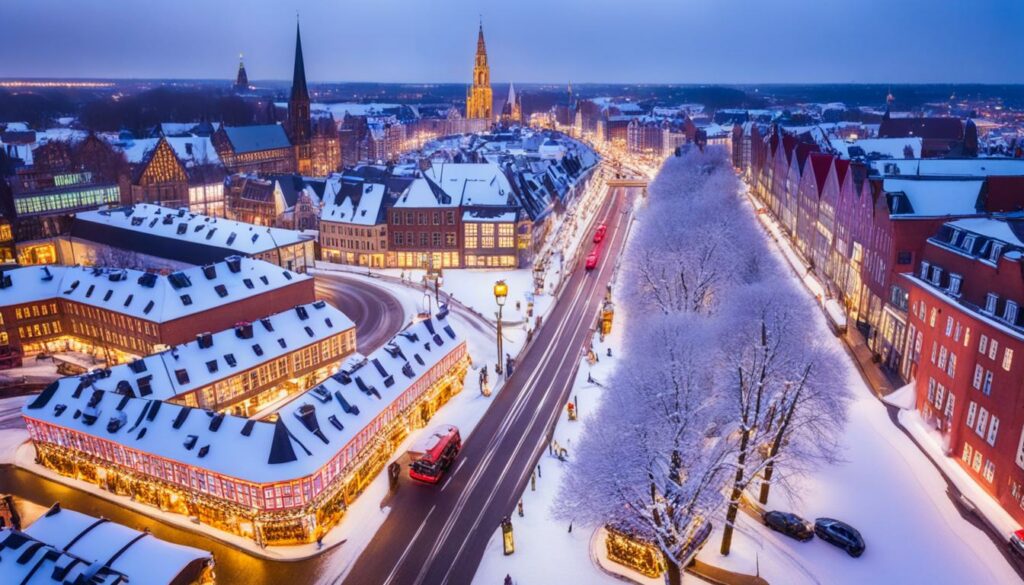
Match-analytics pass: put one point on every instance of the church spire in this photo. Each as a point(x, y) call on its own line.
point(480, 102)
point(242, 80)
point(299, 90)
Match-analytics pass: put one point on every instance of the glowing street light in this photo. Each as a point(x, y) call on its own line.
point(500, 294)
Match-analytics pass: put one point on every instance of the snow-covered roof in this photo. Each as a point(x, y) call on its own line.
point(472, 183)
point(177, 226)
point(190, 366)
point(886, 147)
point(191, 150)
point(935, 198)
point(257, 138)
point(1010, 231)
point(309, 432)
point(951, 167)
point(365, 210)
point(149, 296)
point(139, 556)
point(481, 216)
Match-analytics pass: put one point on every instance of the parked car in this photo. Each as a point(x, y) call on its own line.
point(840, 534)
point(1017, 543)
point(599, 233)
point(789, 524)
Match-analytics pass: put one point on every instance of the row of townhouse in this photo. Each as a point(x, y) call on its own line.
point(925, 255)
point(859, 217)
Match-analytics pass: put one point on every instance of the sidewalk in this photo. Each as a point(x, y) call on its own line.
point(970, 498)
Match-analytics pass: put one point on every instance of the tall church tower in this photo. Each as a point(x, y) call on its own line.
point(479, 101)
point(242, 80)
point(299, 126)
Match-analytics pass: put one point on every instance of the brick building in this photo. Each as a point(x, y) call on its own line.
point(967, 336)
point(118, 313)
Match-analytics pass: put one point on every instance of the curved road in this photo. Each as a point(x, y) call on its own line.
point(376, 312)
point(436, 535)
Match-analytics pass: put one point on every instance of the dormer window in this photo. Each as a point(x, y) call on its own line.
point(953, 235)
point(925, 267)
point(968, 243)
point(995, 251)
point(954, 284)
point(936, 275)
point(990, 303)
point(1010, 312)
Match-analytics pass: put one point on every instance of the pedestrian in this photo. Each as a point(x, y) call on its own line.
point(570, 527)
point(508, 579)
point(520, 508)
point(609, 352)
point(319, 542)
point(590, 379)
point(538, 471)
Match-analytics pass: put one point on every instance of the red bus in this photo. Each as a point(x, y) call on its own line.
point(436, 453)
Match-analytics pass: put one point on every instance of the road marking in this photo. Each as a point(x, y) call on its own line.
point(405, 553)
point(552, 417)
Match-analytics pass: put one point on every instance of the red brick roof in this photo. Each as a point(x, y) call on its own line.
point(821, 163)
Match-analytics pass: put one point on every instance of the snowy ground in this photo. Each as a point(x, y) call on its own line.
point(45, 370)
point(887, 489)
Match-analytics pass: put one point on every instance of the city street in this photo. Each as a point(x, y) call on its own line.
point(437, 534)
point(377, 314)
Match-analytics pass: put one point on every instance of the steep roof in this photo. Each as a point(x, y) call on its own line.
point(299, 90)
point(256, 138)
point(933, 198)
point(821, 163)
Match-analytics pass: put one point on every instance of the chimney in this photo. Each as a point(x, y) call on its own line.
point(244, 330)
point(234, 263)
point(210, 271)
point(205, 340)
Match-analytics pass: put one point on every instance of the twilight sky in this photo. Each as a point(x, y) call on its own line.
point(653, 41)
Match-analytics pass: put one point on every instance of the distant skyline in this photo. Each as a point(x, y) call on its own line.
point(529, 41)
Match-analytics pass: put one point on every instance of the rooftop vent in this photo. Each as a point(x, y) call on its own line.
point(348, 408)
point(205, 340)
point(190, 441)
point(307, 416)
point(234, 263)
point(117, 421)
point(203, 451)
point(301, 312)
point(148, 280)
point(210, 271)
point(138, 366)
point(180, 419)
point(336, 423)
point(267, 324)
point(216, 421)
point(319, 304)
point(90, 415)
point(321, 394)
point(222, 291)
point(247, 428)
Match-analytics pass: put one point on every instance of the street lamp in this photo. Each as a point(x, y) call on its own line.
point(500, 294)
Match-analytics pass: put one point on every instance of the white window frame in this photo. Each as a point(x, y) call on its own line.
point(1010, 312)
point(983, 344)
point(986, 386)
point(954, 284)
point(936, 275)
point(979, 372)
point(950, 402)
point(925, 269)
point(980, 426)
point(972, 411)
point(993, 348)
point(949, 326)
point(990, 471)
point(993, 430)
point(968, 242)
point(994, 251)
point(991, 300)
point(1007, 358)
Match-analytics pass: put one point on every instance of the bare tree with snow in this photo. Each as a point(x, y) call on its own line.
point(652, 461)
point(787, 408)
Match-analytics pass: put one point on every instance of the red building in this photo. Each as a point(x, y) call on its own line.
point(968, 338)
point(120, 313)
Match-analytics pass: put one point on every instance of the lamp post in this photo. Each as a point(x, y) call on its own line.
point(500, 294)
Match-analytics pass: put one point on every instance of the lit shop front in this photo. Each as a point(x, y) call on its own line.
point(281, 512)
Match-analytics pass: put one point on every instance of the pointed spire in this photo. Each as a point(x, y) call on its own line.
point(299, 90)
point(481, 47)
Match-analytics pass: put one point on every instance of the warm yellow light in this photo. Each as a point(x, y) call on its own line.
point(500, 292)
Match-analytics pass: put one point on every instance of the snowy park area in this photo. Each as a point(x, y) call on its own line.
point(879, 481)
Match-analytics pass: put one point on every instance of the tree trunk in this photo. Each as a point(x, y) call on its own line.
point(734, 499)
point(673, 572)
point(766, 482)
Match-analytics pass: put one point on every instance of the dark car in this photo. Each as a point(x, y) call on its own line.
point(840, 534)
point(789, 524)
